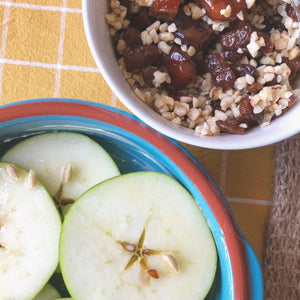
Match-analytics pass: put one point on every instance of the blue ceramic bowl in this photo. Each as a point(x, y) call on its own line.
point(136, 147)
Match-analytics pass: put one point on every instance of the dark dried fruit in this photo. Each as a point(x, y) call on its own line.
point(141, 57)
point(237, 38)
point(291, 12)
point(132, 37)
point(165, 9)
point(141, 20)
point(125, 3)
point(273, 22)
point(213, 8)
point(268, 44)
point(148, 74)
point(292, 100)
point(233, 55)
point(223, 75)
point(254, 87)
point(231, 126)
point(193, 32)
point(246, 110)
point(294, 65)
point(243, 69)
point(179, 65)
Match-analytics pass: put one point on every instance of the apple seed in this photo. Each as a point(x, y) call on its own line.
point(153, 273)
point(12, 172)
point(67, 173)
point(171, 261)
point(31, 179)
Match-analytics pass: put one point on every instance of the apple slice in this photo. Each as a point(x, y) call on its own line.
point(48, 292)
point(29, 234)
point(137, 236)
point(67, 163)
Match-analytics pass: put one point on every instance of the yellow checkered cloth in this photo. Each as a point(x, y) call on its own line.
point(44, 54)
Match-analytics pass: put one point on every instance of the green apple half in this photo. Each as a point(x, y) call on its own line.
point(137, 236)
point(67, 163)
point(29, 234)
point(48, 292)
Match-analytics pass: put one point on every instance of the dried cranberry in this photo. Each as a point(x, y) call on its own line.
point(291, 12)
point(231, 126)
point(255, 87)
point(180, 67)
point(237, 38)
point(243, 69)
point(141, 20)
point(213, 8)
point(132, 37)
point(148, 74)
point(233, 55)
point(165, 9)
point(193, 32)
point(246, 110)
point(141, 57)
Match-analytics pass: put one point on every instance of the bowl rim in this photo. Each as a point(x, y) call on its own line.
point(222, 142)
point(233, 238)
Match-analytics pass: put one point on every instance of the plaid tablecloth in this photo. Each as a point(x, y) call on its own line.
point(44, 53)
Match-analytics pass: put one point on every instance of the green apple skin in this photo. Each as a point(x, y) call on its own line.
point(29, 235)
point(49, 154)
point(48, 292)
point(94, 264)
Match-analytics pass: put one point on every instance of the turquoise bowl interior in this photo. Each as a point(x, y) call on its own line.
point(116, 131)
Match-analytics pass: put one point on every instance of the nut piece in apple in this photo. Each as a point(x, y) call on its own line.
point(137, 236)
point(29, 234)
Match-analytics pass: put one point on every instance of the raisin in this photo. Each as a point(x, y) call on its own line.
point(237, 38)
point(148, 74)
point(165, 9)
point(125, 3)
point(132, 37)
point(231, 126)
point(292, 100)
point(291, 12)
point(268, 44)
point(213, 8)
point(233, 55)
point(254, 87)
point(294, 65)
point(223, 75)
point(243, 69)
point(247, 114)
point(141, 20)
point(179, 65)
point(193, 32)
point(141, 57)
point(215, 104)
point(274, 22)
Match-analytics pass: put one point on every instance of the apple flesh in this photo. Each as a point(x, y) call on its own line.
point(137, 236)
point(29, 234)
point(67, 163)
point(48, 292)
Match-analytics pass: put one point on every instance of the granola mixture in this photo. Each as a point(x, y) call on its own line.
point(208, 65)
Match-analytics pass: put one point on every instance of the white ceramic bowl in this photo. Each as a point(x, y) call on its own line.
point(101, 47)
